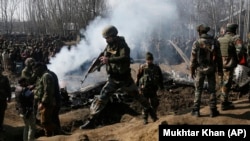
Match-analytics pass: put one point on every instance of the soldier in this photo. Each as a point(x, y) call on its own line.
point(57, 108)
point(149, 80)
point(5, 96)
point(231, 48)
point(117, 60)
point(45, 92)
point(205, 61)
point(27, 71)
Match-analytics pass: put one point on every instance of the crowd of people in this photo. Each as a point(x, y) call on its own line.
point(37, 94)
point(14, 50)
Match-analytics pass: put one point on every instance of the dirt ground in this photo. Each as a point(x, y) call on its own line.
point(123, 121)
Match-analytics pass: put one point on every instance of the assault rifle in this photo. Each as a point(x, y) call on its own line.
point(96, 65)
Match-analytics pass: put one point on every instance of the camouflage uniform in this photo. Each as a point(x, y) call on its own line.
point(5, 96)
point(205, 61)
point(117, 60)
point(27, 71)
point(149, 80)
point(45, 91)
point(231, 48)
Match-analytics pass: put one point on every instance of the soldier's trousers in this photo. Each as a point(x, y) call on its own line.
point(199, 86)
point(227, 84)
point(111, 87)
point(151, 96)
point(29, 128)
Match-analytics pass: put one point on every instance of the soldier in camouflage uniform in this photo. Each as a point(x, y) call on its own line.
point(45, 91)
point(27, 71)
point(231, 48)
point(150, 80)
point(205, 62)
point(117, 60)
point(31, 78)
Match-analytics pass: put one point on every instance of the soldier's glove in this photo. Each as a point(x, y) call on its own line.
point(193, 75)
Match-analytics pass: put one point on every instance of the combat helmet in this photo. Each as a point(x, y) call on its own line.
point(109, 31)
point(202, 28)
point(29, 62)
point(231, 27)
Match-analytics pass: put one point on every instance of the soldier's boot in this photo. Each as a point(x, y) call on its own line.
point(145, 117)
point(214, 112)
point(89, 124)
point(145, 120)
point(227, 106)
point(195, 112)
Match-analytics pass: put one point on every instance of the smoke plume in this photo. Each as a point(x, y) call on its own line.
point(136, 20)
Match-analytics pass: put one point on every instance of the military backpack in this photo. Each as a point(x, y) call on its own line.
point(206, 54)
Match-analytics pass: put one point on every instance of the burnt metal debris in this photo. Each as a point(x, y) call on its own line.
point(172, 80)
point(85, 95)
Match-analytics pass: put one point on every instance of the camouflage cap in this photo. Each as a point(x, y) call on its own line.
point(149, 56)
point(231, 27)
point(202, 28)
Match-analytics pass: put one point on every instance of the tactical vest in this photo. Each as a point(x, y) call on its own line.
point(228, 51)
point(150, 77)
point(226, 45)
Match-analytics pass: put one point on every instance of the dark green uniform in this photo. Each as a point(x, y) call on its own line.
point(149, 80)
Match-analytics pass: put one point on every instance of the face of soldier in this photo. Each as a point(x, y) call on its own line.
point(109, 40)
point(149, 61)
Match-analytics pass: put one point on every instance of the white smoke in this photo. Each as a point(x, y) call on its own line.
point(134, 19)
